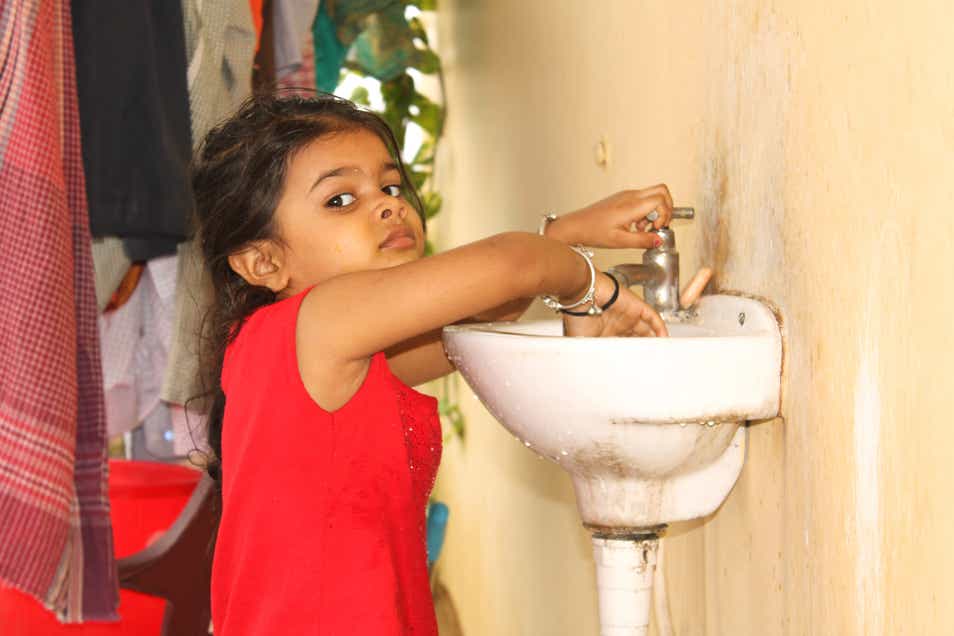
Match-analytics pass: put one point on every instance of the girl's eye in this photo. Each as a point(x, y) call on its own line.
point(341, 200)
point(392, 190)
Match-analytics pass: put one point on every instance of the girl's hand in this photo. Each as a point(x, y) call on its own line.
point(607, 223)
point(627, 316)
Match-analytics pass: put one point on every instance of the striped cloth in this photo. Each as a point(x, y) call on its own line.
point(55, 534)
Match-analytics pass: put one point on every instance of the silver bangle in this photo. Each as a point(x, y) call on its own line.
point(590, 295)
point(545, 221)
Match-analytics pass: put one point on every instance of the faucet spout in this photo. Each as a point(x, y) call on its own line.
point(658, 274)
point(630, 274)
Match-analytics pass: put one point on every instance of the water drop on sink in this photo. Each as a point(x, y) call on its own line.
point(527, 444)
point(564, 453)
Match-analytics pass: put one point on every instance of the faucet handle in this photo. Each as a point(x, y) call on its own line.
point(677, 213)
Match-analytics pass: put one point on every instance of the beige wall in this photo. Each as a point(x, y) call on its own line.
point(815, 141)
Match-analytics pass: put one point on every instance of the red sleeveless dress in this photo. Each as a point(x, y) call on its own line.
point(323, 519)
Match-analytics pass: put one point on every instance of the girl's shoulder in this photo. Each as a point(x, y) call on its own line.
point(267, 320)
point(269, 329)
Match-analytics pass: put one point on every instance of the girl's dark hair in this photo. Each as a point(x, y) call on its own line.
point(238, 178)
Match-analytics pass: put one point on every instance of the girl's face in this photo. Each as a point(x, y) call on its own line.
point(342, 200)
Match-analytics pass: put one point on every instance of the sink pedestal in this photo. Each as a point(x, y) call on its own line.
point(627, 510)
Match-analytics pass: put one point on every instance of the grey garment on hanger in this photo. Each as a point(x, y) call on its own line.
point(220, 49)
point(194, 296)
point(292, 20)
point(110, 264)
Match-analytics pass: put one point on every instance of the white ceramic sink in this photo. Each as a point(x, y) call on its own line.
point(647, 427)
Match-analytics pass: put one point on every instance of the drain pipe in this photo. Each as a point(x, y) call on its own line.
point(661, 594)
point(625, 567)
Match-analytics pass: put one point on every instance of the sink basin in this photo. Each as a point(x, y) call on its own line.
point(648, 428)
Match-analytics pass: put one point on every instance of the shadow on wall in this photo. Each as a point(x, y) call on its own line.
point(448, 623)
point(714, 247)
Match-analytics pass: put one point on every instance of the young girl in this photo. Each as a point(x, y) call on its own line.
point(325, 315)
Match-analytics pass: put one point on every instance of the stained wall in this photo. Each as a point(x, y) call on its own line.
point(816, 142)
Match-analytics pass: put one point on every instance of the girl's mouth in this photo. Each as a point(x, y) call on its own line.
point(399, 238)
point(400, 242)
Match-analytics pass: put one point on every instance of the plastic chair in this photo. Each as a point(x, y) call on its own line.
point(178, 566)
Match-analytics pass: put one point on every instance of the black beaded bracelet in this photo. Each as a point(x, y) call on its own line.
point(604, 307)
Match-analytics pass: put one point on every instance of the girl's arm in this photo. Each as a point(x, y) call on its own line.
point(508, 311)
point(419, 359)
point(605, 223)
point(422, 358)
point(345, 320)
point(353, 316)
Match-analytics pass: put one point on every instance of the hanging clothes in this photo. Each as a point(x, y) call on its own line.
point(220, 47)
point(137, 311)
point(220, 41)
point(385, 47)
point(263, 75)
point(134, 110)
point(55, 535)
point(292, 20)
point(301, 81)
point(135, 344)
point(372, 33)
point(111, 266)
point(127, 286)
point(194, 296)
point(257, 8)
point(330, 52)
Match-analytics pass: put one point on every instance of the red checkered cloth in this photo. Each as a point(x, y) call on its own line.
point(55, 534)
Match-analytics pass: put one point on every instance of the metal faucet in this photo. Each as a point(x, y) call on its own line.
point(659, 272)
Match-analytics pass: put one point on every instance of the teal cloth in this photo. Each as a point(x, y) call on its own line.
point(374, 33)
point(385, 48)
point(329, 51)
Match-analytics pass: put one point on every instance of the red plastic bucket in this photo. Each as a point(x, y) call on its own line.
point(145, 499)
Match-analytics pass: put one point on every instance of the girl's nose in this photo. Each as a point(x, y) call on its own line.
point(387, 212)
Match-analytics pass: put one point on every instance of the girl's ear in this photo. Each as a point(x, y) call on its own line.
point(261, 264)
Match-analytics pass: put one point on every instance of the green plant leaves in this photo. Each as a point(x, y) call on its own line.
point(432, 202)
point(429, 115)
point(451, 414)
point(398, 94)
point(360, 96)
point(426, 61)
